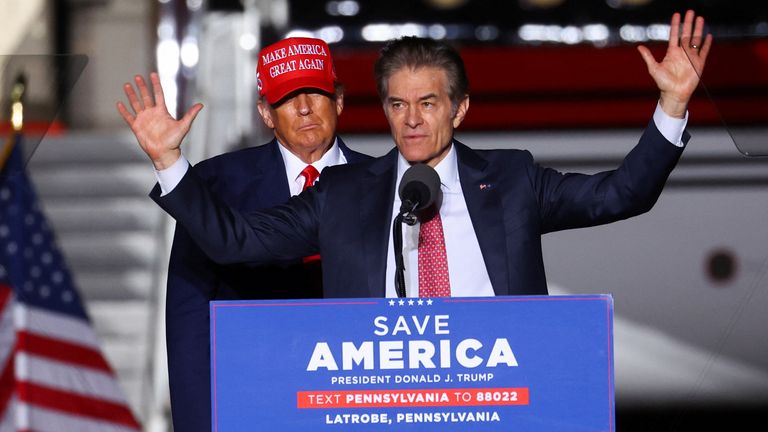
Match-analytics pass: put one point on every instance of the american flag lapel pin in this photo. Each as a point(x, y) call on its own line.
point(484, 186)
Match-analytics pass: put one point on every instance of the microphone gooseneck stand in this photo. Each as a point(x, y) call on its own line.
point(404, 216)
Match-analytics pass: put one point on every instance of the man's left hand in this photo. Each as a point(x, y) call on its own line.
point(679, 72)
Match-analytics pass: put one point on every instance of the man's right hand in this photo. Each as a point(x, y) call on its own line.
point(158, 133)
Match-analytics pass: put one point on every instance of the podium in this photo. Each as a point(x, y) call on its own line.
point(523, 363)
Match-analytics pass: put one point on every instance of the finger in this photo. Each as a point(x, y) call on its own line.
point(685, 38)
point(157, 88)
point(674, 30)
point(705, 49)
point(698, 32)
point(144, 92)
point(190, 115)
point(650, 62)
point(132, 98)
point(127, 116)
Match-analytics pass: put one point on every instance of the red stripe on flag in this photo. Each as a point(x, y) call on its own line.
point(57, 349)
point(76, 404)
point(7, 383)
point(5, 295)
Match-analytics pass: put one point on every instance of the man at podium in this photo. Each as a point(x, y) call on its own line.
point(483, 237)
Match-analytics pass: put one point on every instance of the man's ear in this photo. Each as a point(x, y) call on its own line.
point(266, 113)
point(339, 103)
point(461, 111)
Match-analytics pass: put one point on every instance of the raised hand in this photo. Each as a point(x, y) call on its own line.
point(679, 72)
point(158, 133)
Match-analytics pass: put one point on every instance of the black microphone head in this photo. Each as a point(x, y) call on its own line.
point(419, 187)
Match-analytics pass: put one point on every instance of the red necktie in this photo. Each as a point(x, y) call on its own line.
point(310, 174)
point(433, 260)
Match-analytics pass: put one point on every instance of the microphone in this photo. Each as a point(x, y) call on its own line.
point(419, 188)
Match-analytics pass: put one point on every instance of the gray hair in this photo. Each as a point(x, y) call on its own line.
point(415, 52)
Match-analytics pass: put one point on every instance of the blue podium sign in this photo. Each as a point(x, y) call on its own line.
point(527, 363)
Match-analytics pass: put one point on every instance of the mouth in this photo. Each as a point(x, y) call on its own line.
point(414, 137)
point(309, 126)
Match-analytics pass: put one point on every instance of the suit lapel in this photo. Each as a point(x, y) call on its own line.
point(483, 199)
point(378, 191)
point(270, 184)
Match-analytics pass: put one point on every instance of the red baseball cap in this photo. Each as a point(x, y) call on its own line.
point(293, 64)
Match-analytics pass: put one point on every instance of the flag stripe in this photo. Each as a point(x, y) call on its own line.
point(6, 384)
point(8, 418)
point(96, 409)
point(7, 348)
point(65, 377)
point(61, 351)
point(57, 325)
point(7, 330)
point(49, 420)
point(5, 295)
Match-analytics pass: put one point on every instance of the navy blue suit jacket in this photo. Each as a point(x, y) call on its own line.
point(248, 179)
point(346, 217)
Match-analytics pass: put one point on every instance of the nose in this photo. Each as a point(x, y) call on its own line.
point(303, 104)
point(412, 116)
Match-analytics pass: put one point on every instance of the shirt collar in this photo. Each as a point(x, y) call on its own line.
point(447, 169)
point(294, 165)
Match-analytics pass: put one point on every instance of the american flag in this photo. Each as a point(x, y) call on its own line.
point(53, 376)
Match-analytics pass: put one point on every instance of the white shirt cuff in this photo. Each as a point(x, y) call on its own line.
point(671, 128)
point(170, 177)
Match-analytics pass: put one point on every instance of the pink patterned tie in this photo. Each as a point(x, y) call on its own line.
point(433, 261)
point(310, 174)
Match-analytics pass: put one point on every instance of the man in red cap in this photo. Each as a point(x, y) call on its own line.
point(300, 100)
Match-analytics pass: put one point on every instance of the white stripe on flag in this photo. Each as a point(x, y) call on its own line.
point(56, 325)
point(56, 421)
point(7, 333)
point(65, 377)
point(8, 422)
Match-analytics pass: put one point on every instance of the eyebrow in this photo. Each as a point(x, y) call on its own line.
point(391, 99)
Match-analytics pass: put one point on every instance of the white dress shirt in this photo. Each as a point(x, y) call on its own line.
point(466, 268)
point(294, 165)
